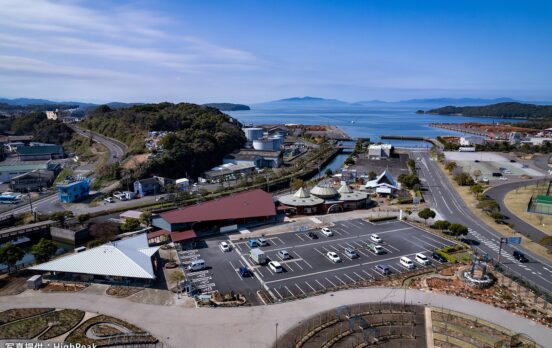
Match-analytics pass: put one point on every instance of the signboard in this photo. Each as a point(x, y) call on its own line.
point(513, 240)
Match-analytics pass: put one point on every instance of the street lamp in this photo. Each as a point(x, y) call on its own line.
point(276, 343)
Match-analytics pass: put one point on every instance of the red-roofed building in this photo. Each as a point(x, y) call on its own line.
point(249, 208)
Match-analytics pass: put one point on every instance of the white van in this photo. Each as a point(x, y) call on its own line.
point(422, 259)
point(406, 262)
point(275, 266)
point(196, 265)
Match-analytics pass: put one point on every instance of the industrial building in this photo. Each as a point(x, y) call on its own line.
point(8, 172)
point(257, 158)
point(129, 261)
point(249, 208)
point(32, 181)
point(38, 153)
point(228, 171)
point(381, 151)
point(324, 199)
point(470, 140)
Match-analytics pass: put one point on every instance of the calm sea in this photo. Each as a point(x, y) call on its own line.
point(366, 122)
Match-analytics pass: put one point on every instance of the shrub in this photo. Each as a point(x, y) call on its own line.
point(426, 214)
point(441, 225)
point(458, 230)
point(448, 257)
point(464, 179)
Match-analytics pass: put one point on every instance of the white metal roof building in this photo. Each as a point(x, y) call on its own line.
point(127, 258)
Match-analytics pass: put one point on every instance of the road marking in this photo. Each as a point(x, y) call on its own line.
point(392, 247)
point(394, 269)
point(358, 275)
point(313, 289)
point(323, 287)
point(237, 270)
point(426, 243)
point(340, 280)
point(333, 285)
point(336, 231)
point(290, 268)
point(298, 265)
point(354, 281)
point(299, 236)
point(285, 286)
point(321, 253)
point(278, 293)
point(300, 289)
point(387, 250)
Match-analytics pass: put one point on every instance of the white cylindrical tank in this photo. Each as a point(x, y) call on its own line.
point(253, 133)
point(263, 144)
point(278, 142)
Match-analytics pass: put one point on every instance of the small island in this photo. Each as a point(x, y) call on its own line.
point(500, 110)
point(228, 106)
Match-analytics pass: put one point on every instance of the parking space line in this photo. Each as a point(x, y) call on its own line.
point(354, 281)
point(310, 286)
point(339, 279)
point(299, 236)
point(433, 240)
point(358, 275)
point(394, 269)
point(235, 270)
point(334, 248)
point(387, 250)
point(359, 245)
point(260, 273)
point(425, 242)
point(298, 265)
point(333, 285)
point(300, 289)
point(289, 267)
point(278, 293)
point(285, 286)
point(392, 247)
point(321, 253)
point(323, 287)
point(368, 274)
point(337, 231)
point(305, 261)
point(279, 240)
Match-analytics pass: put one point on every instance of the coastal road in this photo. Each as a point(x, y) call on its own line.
point(499, 192)
point(116, 149)
point(442, 197)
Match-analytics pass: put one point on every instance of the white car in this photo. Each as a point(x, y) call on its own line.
point(422, 259)
point(406, 262)
point(333, 257)
point(327, 232)
point(275, 266)
point(375, 238)
point(109, 200)
point(224, 246)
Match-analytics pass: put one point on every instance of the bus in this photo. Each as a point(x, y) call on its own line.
point(10, 198)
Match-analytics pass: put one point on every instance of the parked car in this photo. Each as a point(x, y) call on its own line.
point(476, 161)
point(312, 235)
point(109, 200)
point(244, 272)
point(351, 253)
point(513, 161)
point(406, 262)
point(275, 266)
point(376, 249)
point(196, 265)
point(375, 238)
point(436, 256)
point(262, 241)
point(253, 243)
point(518, 255)
point(224, 246)
point(422, 259)
point(524, 166)
point(327, 232)
point(284, 255)
point(383, 269)
point(333, 257)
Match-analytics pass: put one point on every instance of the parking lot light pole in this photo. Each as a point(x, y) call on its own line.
point(276, 343)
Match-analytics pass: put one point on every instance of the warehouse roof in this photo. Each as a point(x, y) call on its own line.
point(248, 204)
point(129, 258)
point(39, 150)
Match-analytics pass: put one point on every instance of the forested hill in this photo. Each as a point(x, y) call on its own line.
point(500, 110)
point(201, 136)
point(228, 106)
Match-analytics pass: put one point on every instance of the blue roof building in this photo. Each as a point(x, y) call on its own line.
point(72, 190)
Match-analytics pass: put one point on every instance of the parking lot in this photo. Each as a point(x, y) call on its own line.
point(309, 269)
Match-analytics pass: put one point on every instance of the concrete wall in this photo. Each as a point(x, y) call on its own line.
point(69, 236)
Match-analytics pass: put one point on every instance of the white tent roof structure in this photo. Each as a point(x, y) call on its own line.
point(301, 198)
point(129, 258)
point(383, 180)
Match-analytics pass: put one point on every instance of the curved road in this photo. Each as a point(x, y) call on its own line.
point(178, 326)
point(498, 193)
point(443, 198)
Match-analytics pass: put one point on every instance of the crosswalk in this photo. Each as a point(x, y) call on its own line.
point(201, 280)
point(494, 245)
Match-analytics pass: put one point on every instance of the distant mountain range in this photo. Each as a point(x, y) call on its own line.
point(498, 110)
point(83, 105)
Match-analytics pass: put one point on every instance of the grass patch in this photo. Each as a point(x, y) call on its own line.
point(58, 322)
point(65, 320)
point(516, 201)
point(65, 172)
point(21, 313)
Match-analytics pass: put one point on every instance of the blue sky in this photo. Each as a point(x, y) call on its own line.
point(253, 51)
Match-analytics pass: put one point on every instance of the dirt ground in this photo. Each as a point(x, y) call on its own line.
point(517, 201)
point(13, 284)
point(135, 160)
point(471, 202)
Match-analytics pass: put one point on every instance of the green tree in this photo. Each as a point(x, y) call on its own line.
point(83, 218)
point(372, 175)
point(476, 189)
point(61, 216)
point(441, 225)
point(349, 161)
point(10, 254)
point(43, 250)
point(145, 218)
point(458, 230)
point(464, 179)
point(328, 172)
point(477, 174)
point(426, 214)
point(451, 166)
point(130, 224)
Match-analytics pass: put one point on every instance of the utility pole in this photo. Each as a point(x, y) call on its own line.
point(31, 203)
point(276, 342)
point(500, 249)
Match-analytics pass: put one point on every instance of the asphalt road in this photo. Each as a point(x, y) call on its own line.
point(116, 149)
point(446, 201)
point(499, 192)
point(309, 270)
